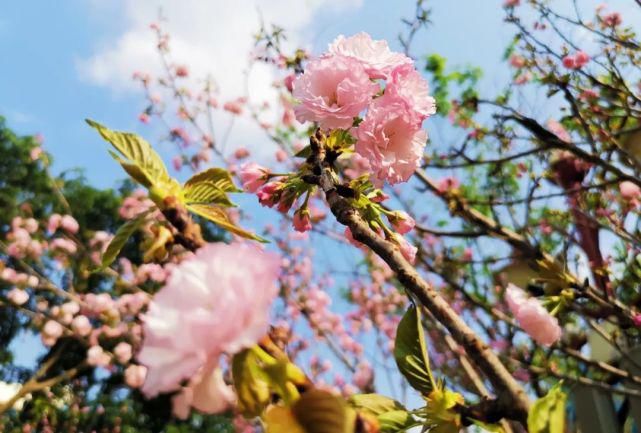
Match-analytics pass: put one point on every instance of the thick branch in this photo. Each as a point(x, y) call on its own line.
point(510, 392)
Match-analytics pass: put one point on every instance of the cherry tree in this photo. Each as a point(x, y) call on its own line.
point(494, 237)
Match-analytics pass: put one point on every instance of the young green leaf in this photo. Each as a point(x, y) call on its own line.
point(219, 217)
point(250, 383)
point(137, 152)
point(410, 352)
point(547, 414)
point(218, 176)
point(122, 235)
point(374, 404)
point(305, 152)
point(319, 411)
point(205, 192)
point(396, 421)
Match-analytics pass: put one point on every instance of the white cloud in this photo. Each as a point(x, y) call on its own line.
point(214, 38)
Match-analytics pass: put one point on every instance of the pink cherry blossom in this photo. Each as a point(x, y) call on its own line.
point(252, 176)
point(517, 61)
point(135, 375)
point(81, 325)
point(558, 130)
point(375, 55)
point(390, 139)
point(182, 71)
point(532, 316)
point(69, 224)
point(281, 155)
point(54, 222)
point(333, 91)
point(216, 301)
point(406, 84)
point(206, 392)
point(123, 352)
point(51, 332)
point(630, 192)
point(576, 61)
point(402, 222)
point(612, 19)
point(407, 249)
point(241, 153)
point(35, 153)
point(18, 296)
point(364, 375)
point(97, 357)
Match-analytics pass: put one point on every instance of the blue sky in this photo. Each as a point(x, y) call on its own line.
point(46, 46)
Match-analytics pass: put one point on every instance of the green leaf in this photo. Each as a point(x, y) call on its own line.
point(122, 235)
point(319, 411)
point(305, 152)
point(133, 170)
point(279, 419)
point(219, 217)
point(137, 152)
point(410, 352)
point(218, 176)
point(205, 192)
point(374, 404)
point(396, 421)
point(547, 414)
point(252, 388)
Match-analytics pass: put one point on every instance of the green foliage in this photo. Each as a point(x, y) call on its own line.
point(547, 414)
point(410, 352)
point(466, 79)
point(320, 411)
point(122, 235)
point(392, 417)
point(140, 161)
point(204, 194)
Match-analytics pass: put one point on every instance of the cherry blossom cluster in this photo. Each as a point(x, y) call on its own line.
point(360, 75)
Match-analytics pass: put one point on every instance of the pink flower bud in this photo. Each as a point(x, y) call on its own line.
point(408, 250)
point(402, 222)
point(241, 153)
point(267, 193)
point(182, 71)
point(252, 176)
point(302, 221)
point(569, 62)
point(581, 58)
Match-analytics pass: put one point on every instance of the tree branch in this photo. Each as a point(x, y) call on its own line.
point(513, 398)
